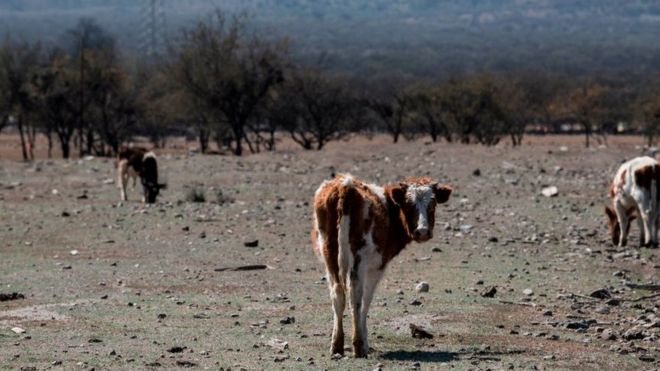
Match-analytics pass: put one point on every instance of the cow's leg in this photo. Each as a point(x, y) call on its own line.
point(646, 214)
point(622, 216)
point(338, 297)
point(370, 281)
point(122, 171)
point(355, 290)
point(653, 227)
point(640, 225)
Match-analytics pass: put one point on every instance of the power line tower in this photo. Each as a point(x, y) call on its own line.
point(152, 36)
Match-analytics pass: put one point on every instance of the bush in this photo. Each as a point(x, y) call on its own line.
point(195, 195)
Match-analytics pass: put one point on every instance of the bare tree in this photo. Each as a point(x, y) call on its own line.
point(585, 104)
point(392, 112)
point(56, 87)
point(315, 109)
point(426, 105)
point(18, 65)
point(86, 42)
point(232, 74)
point(472, 111)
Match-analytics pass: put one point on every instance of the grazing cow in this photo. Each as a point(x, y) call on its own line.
point(634, 193)
point(358, 229)
point(138, 162)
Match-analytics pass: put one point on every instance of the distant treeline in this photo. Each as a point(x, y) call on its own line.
point(222, 83)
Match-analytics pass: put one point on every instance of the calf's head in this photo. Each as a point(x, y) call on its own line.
point(149, 177)
point(613, 223)
point(417, 199)
point(151, 190)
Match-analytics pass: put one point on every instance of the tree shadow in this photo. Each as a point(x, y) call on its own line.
point(421, 356)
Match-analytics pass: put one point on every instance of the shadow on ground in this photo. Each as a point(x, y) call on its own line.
point(421, 356)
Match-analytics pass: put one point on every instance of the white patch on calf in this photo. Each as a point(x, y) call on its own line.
point(149, 155)
point(347, 181)
point(345, 257)
point(421, 196)
point(369, 274)
point(378, 191)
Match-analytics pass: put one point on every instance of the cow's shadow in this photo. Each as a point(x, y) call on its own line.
point(421, 356)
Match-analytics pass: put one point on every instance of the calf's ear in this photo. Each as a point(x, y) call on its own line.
point(398, 193)
point(442, 193)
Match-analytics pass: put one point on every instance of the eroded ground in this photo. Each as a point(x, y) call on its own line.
point(120, 286)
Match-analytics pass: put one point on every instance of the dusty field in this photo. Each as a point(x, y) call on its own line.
point(112, 286)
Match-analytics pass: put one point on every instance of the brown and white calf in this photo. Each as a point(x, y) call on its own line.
point(139, 163)
point(358, 229)
point(634, 193)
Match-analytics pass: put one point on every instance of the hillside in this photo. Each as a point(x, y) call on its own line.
point(416, 38)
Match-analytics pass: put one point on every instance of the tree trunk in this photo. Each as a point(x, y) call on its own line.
point(204, 140)
point(238, 138)
point(395, 137)
point(49, 137)
point(65, 145)
point(22, 135)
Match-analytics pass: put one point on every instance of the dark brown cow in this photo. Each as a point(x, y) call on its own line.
point(138, 162)
point(358, 229)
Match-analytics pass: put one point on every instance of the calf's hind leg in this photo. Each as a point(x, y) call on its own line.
point(338, 297)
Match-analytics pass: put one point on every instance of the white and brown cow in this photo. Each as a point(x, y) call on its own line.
point(358, 229)
point(634, 193)
point(139, 163)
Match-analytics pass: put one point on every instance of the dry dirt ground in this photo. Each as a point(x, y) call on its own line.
point(122, 286)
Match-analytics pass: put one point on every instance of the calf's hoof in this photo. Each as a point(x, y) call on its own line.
point(653, 245)
point(359, 351)
point(337, 347)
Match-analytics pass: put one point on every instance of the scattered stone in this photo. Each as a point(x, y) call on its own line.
point(634, 333)
point(419, 333)
point(183, 363)
point(602, 310)
point(288, 320)
point(422, 287)
point(608, 334)
point(613, 302)
point(254, 243)
point(17, 330)
point(162, 316)
point(551, 191)
point(576, 325)
point(476, 172)
point(278, 344)
point(12, 296)
point(601, 294)
point(489, 292)
point(646, 358)
point(528, 292)
point(176, 349)
point(74, 252)
point(415, 302)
